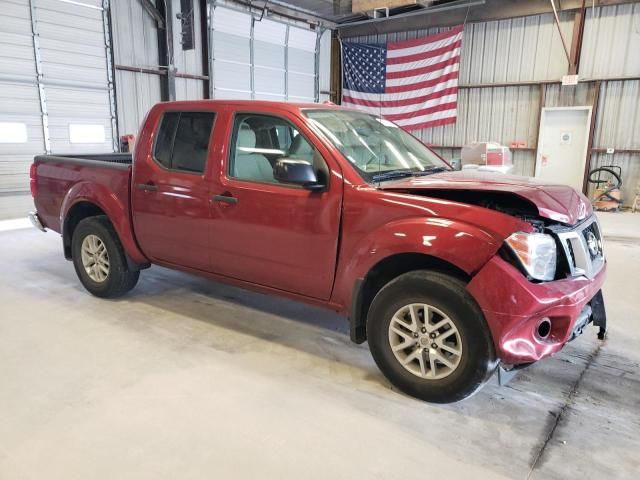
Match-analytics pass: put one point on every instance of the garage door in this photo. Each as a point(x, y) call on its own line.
point(76, 75)
point(20, 117)
point(55, 92)
point(262, 59)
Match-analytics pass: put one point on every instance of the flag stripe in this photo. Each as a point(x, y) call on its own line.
point(422, 112)
point(429, 47)
point(399, 99)
point(427, 118)
point(404, 63)
point(392, 108)
point(422, 70)
point(395, 64)
point(448, 73)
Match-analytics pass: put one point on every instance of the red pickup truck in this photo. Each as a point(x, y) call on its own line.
point(448, 274)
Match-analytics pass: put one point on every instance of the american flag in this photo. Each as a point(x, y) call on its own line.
point(413, 83)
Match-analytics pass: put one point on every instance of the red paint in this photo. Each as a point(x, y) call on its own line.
point(513, 307)
point(314, 246)
point(555, 202)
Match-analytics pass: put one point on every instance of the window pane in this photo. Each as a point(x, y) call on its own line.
point(192, 141)
point(259, 141)
point(164, 142)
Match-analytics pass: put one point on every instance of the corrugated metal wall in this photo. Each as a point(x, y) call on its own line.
point(135, 38)
point(515, 50)
point(611, 40)
point(529, 49)
point(135, 43)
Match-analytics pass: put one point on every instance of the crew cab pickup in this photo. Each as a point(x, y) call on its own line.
point(449, 275)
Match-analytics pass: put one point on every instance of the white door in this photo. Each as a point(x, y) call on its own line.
point(562, 145)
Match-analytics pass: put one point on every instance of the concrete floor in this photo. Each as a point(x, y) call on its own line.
point(190, 379)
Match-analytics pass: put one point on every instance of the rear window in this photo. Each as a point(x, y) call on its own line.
point(183, 140)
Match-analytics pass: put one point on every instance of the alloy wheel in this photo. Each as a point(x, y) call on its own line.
point(425, 341)
point(95, 258)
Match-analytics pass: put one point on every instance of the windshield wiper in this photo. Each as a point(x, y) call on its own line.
point(430, 171)
point(391, 175)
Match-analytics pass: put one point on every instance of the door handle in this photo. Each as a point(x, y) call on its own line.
point(225, 198)
point(147, 187)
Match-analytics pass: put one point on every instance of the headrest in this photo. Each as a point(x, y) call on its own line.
point(300, 147)
point(246, 137)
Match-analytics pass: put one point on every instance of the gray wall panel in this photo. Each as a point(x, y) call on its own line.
point(136, 94)
point(618, 122)
point(611, 42)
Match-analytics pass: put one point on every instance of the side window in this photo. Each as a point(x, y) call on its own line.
point(259, 141)
point(166, 134)
point(183, 140)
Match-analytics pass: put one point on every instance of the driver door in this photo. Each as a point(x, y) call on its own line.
point(269, 233)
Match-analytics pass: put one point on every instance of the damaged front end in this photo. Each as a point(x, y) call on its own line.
point(543, 287)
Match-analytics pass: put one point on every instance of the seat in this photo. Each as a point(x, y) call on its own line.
point(191, 145)
point(301, 149)
point(249, 165)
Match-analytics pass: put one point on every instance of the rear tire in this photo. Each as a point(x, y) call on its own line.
point(99, 259)
point(446, 358)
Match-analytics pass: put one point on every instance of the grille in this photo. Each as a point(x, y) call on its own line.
point(583, 248)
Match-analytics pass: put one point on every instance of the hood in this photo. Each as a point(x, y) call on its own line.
point(560, 203)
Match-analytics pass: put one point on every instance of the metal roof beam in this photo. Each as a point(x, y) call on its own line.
point(490, 11)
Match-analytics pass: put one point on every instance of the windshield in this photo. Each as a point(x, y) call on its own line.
point(377, 148)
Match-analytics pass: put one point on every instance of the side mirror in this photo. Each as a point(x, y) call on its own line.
point(456, 163)
point(299, 172)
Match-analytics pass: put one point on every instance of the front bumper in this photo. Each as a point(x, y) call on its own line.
point(514, 307)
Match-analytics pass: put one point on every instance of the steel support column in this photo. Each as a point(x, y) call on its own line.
point(576, 40)
point(252, 68)
point(286, 63)
point(316, 65)
point(171, 69)
point(210, 12)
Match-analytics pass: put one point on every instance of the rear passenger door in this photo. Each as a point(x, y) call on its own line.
point(171, 191)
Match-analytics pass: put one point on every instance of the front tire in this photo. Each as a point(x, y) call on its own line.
point(99, 259)
point(429, 338)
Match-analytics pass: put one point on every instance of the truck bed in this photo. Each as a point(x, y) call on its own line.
point(56, 175)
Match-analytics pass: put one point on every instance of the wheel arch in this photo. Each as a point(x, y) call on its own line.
point(88, 199)
point(78, 212)
point(366, 288)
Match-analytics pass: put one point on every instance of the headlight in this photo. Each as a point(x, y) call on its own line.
point(536, 252)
